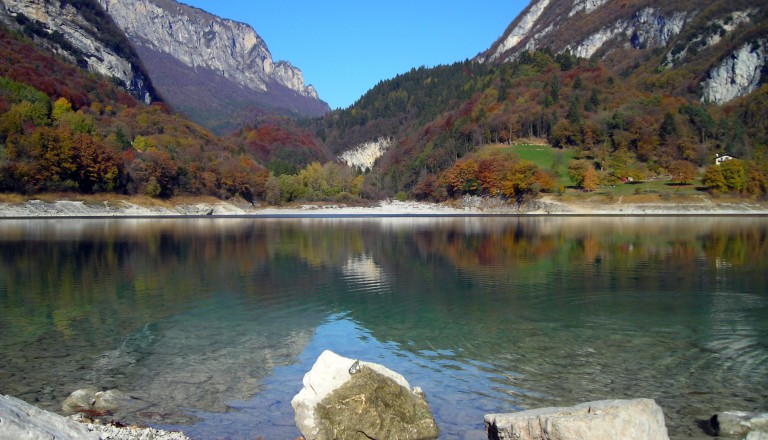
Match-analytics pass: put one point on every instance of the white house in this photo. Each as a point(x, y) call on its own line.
point(720, 158)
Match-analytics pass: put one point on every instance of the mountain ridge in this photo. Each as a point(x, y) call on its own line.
point(82, 33)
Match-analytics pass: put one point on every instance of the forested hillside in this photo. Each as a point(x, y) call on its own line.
point(630, 114)
point(63, 129)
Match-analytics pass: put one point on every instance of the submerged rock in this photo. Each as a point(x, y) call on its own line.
point(752, 426)
point(638, 419)
point(94, 402)
point(347, 399)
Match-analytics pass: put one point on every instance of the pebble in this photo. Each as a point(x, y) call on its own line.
point(108, 432)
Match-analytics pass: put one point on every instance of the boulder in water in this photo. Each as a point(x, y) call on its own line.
point(94, 402)
point(347, 399)
point(740, 424)
point(638, 419)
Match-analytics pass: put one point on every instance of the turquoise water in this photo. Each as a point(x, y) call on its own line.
point(211, 323)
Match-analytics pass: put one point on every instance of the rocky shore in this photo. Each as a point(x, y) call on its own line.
point(21, 421)
point(547, 205)
point(350, 398)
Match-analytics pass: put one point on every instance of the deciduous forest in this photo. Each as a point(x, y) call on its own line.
point(625, 117)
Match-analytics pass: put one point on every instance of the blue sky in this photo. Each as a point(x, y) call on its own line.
point(345, 47)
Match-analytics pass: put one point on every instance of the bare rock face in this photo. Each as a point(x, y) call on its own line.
point(738, 74)
point(82, 38)
point(364, 155)
point(202, 40)
point(559, 25)
point(639, 419)
point(347, 399)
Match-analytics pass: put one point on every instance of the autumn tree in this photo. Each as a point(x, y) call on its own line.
point(682, 171)
point(462, 177)
point(734, 174)
point(491, 174)
point(98, 169)
point(61, 107)
point(157, 165)
point(577, 169)
point(591, 179)
point(714, 179)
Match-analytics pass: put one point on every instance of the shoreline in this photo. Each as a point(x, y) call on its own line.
point(465, 207)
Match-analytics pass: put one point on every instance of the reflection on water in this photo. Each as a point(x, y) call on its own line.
point(211, 323)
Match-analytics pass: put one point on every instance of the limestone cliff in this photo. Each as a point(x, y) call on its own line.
point(82, 33)
point(732, 33)
point(165, 31)
point(738, 74)
point(586, 27)
point(363, 156)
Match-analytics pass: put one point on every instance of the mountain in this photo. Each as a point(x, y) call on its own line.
point(65, 129)
point(633, 89)
point(681, 29)
point(80, 31)
point(219, 72)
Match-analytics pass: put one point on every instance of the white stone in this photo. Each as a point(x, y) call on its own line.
point(22, 421)
point(329, 372)
point(739, 423)
point(638, 419)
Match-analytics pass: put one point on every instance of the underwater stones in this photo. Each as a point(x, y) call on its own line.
point(638, 419)
point(347, 399)
point(95, 402)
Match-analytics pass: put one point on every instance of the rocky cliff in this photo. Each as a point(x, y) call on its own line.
point(82, 33)
point(730, 33)
point(738, 74)
point(364, 155)
point(199, 44)
point(587, 26)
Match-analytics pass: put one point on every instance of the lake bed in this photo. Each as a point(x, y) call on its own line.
point(213, 322)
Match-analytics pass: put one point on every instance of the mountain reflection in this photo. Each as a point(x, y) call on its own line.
point(549, 310)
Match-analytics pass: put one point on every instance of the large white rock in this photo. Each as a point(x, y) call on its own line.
point(741, 424)
point(22, 421)
point(638, 419)
point(336, 398)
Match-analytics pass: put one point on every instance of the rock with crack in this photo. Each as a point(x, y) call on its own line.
point(638, 419)
point(347, 399)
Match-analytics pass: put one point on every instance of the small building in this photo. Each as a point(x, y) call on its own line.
point(720, 158)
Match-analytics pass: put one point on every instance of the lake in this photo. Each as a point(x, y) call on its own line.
point(212, 323)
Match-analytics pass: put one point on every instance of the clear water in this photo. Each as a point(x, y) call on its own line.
point(211, 323)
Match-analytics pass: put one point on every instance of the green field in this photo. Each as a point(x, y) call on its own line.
point(543, 156)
